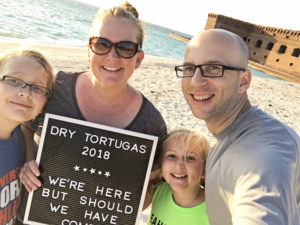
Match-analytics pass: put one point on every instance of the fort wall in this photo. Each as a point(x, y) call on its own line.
point(272, 47)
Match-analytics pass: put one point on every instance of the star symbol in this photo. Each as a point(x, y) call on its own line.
point(76, 168)
point(99, 172)
point(84, 169)
point(107, 174)
point(92, 170)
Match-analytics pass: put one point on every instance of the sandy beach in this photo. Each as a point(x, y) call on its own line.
point(156, 79)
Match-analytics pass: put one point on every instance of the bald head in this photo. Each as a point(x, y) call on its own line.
point(222, 45)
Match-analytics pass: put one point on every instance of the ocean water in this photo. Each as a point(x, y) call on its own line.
point(68, 22)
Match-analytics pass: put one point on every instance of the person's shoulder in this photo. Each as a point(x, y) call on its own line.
point(261, 140)
point(260, 126)
point(148, 112)
point(266, 149)
point(16, 141)
point(67, 75)
point(150, 106)
point(65, 80)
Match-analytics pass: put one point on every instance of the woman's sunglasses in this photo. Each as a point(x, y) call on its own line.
point(102, 46)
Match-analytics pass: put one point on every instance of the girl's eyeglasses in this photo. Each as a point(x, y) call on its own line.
point(17, 83)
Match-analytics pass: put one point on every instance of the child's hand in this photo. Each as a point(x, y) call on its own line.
point(29, 176)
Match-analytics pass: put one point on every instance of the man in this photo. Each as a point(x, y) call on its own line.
point(253, 172)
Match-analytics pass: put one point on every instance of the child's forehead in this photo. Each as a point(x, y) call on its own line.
point(181, 145)
point(19, 58)
point(16, 61)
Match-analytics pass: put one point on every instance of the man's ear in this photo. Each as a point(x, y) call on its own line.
point(245, 80)
point(139, 58)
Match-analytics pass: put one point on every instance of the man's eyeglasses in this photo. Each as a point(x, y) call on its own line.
point(102, 46)
point(17, 83)
point(207, 70)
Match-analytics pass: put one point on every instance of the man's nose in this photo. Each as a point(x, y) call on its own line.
point(198, 77)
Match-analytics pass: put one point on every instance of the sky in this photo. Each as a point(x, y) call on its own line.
point(189, 16)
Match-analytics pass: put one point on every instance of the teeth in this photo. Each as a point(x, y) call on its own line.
point(111, 68)
point(179, 176)
point(202, 97)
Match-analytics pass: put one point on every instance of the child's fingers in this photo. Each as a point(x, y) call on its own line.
point(34, 168)
point(30, 182)
point(28, 176)
point(29, 185)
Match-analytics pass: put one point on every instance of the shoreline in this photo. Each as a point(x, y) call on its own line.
point(156, 79)
point(273, 72)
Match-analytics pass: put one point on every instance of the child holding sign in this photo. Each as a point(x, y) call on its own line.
point(26, 79)
point(180, 199)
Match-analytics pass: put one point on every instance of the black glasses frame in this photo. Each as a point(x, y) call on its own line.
point(224, 67)
point(116, 45)
point(23, 85)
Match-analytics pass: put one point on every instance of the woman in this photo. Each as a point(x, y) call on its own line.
point(103, 95)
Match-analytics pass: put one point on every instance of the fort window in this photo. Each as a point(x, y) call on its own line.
point(245, 39)
point(258, 43)
point(277, 60)
point(249, 40)
point(270, 46)
point(296, 52)
point(265, 56)
point(291, 64)
point(282, 49)
point(287, 37)
point(254, 53)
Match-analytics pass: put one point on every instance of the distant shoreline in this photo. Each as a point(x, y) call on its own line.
point(274, 72)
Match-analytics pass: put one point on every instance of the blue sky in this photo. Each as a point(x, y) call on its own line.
point(189, 16)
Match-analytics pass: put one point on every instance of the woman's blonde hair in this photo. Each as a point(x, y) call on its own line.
point(36, 56)
point(127, 11)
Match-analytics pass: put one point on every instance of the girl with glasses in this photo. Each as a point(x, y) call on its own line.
point(26, 79)
point(103, 94)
